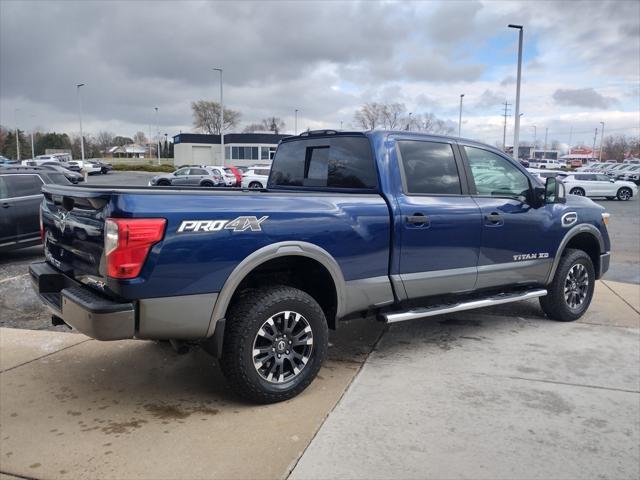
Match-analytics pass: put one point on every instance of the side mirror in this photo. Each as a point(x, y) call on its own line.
point(554, 191)
point(612, 180)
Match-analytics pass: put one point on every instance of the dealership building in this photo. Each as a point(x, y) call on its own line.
point(241, 149)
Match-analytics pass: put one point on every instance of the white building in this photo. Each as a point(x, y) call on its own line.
point(241, 149)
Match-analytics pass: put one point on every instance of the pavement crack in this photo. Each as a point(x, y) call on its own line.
point(557, 382)
point(621, 298)
point(45, 355)
point(13, 278)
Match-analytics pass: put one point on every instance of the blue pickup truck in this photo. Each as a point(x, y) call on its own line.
point(396, 225)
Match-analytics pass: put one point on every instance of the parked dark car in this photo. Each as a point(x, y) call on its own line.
point(20, 199)
point(524, 163)
point(73, 177)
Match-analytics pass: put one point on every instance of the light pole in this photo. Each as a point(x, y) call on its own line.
point(340, 124)
point(157, 133)
point(221, 119)
point(546, 132)
point(295, 128)
point(460, 116)
point(601, 140)
point(80, 116)
point(516, 130)
point(409, 122)
point(33, 154)
point(17, 135)
point(535, 134)
point(166, 146)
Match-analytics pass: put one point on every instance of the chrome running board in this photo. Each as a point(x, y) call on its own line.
point(394, 317)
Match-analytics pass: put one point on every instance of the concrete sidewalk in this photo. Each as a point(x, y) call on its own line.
point(485, 395)
point(496, 393)
point(71, 407)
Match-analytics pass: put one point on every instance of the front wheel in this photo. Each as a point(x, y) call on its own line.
point(570, 293)
point(624, 194)
point(275, 341)
point(255, 185)
point(577, 191)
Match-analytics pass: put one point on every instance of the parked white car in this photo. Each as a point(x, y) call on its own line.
point(631, 174)
point(85, 166)
point(548, 163)
point(543, 174)
point(599, 185)
point(255, 177)
point(225, 174)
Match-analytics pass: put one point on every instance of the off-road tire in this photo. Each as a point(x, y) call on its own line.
point(554, 304)
point(577, 191)
point(244, 320)
point(624, 194)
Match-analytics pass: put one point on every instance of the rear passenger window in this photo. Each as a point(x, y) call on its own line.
point(334, 162)
point(429, 168)
point(23, 185)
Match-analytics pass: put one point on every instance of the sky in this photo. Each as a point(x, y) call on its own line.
point(325, 58)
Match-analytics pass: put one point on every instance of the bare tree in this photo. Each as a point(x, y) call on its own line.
point(104, 140)
point(620, 146)
point(393, 116)
point(206, 117)
point(369, 116)
point(254, 127)
point(273, 124)
point(429, 123)
point(140, 138)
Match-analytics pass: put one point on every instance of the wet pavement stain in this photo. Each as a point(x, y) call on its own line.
point(464, 323)
point(174, 412)
point(35, 465)
point(123, 427)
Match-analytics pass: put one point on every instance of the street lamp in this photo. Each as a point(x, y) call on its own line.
point(601, 140)
point(221, 119)
point(460, 116)
point(535, 134)
point(80, 116)
point(295, 128)
point(17, 135)
point(157, 133)
point(33, 154)
point(516, 131)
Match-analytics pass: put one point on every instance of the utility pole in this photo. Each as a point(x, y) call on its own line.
point(570, 135)
point(601, 140)
point(504, 130)
point(546, 132)
point(535, 140)
point(157, 133)
point(221, 119)
point(80, 112)
point(460, 116)
point(17, 136)
point(516, 130)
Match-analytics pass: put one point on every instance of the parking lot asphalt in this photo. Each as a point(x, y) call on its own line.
point(494, 393)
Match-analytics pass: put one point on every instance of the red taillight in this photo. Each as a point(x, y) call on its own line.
point(127, 242)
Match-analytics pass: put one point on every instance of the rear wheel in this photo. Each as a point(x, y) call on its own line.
point(274, 344)
point(255, 185)
point(570, 293)
point(163, 183)
point(206, 184)
point(624, 194)
point(577, 191)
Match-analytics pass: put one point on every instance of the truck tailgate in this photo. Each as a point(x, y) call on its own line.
point(73, 225)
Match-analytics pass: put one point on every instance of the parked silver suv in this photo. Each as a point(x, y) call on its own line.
point(189, 176)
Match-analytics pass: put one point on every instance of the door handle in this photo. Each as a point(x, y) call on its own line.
point(494, 218)
point(5, 205)
point(417, 219)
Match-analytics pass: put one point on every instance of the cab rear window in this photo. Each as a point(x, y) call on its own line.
point(333, 162)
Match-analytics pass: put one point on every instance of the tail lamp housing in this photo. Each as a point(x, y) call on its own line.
point(127, 242)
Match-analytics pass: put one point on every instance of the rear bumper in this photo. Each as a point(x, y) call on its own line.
point(605, 258)
point(80, 307)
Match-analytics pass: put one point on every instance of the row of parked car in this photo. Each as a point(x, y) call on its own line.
point(62, 163)
point(629, 170)
point(254, 177)
point(591, 184)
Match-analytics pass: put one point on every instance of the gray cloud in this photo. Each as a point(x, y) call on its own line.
point(582, 97)
point(324, 58)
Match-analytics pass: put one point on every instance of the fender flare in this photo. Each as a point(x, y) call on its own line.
point(578, 229)
point(269, 252)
